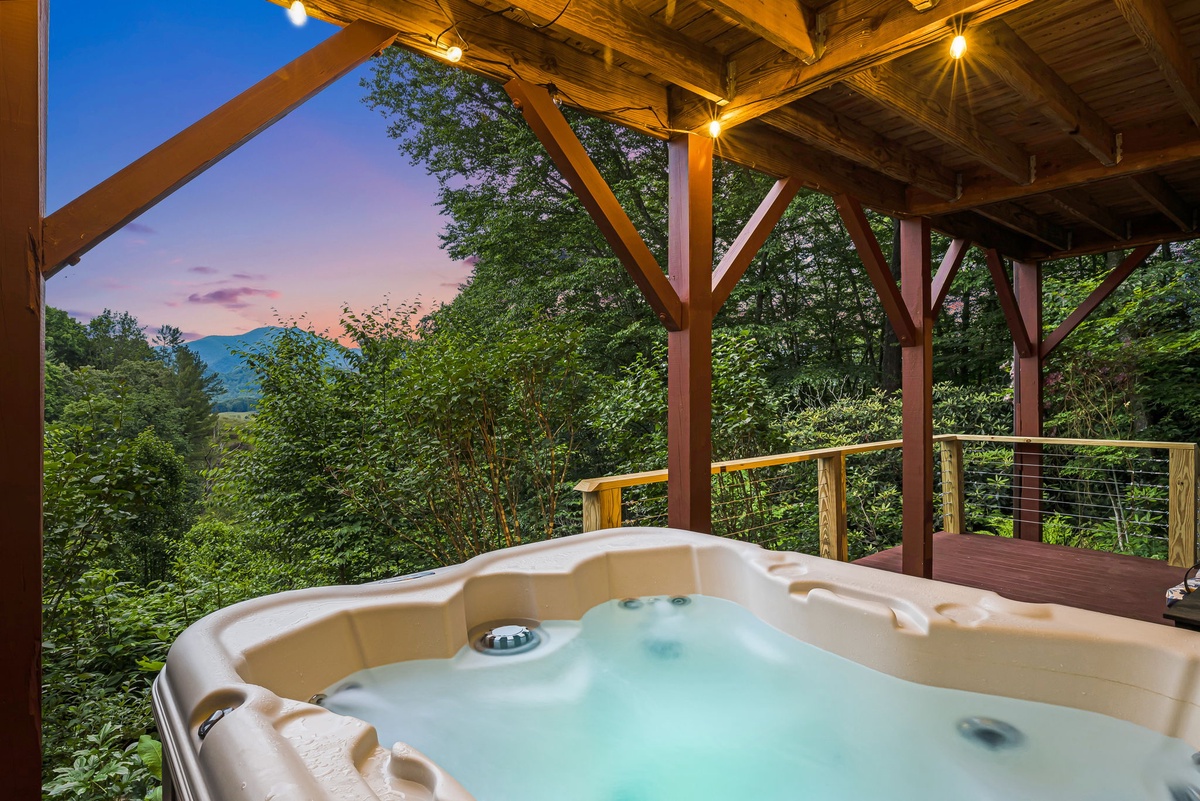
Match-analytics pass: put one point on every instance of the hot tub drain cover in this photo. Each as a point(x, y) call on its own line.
point(504, 640)
point(995, 735)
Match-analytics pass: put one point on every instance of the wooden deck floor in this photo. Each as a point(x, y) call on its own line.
point(1127, 586)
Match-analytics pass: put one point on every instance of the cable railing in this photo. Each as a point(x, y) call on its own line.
point(1119, 495)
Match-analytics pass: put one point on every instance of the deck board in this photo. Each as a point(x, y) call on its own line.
point(1036, 572)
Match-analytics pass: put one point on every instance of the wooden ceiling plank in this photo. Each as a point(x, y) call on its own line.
point(500, 49)
point(877, 268)
point(107, 207)
point(750, 240)
point(951, 262)
point(1008, 304)
point(668, 53)
point(784, 25)
point(1155, 190)
point(987, 234)
point(1007, 56)
point(826, 129)
point(1159, 34)
point(948, 120)
point(1023, 221)
point(981, 192)
point(859, 34)
point(1109, 285)
point(1080, 206)
point(593, 191)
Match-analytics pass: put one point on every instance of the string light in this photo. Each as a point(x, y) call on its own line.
point(454, 54)
point(297, 13)
point(714, 129)
point(958, 46)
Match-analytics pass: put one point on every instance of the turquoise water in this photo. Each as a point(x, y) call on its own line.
point(702, 701)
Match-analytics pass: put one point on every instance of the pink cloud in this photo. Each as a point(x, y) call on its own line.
point(231, 297)
point(248, 277)
point(202, 270)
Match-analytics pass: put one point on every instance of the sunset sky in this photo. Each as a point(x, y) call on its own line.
point(317, 211)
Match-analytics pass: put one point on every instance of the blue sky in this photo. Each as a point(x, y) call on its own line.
point(317, 211)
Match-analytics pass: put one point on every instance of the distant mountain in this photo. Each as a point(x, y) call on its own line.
point(241, 384)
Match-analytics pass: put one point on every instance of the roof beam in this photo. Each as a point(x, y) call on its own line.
point(1008, 304)
point(946, 272)
point(939, 114)
point(617, 25)
point(499, 48)
point(1154, 154)
point(107, 207)
point(1154, 189)
point(1097, 296)
point(877, 268)
point(577, 168)
point(1024, 221)
point(784, 25)
point(825, 128)
point(987, 234)
point(859, 34)
point(760, 148)
point(1080, 206)
point(750, 240)
point(1158, 33)
point(1007, 55)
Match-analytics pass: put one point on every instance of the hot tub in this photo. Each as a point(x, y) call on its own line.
point(239, 704)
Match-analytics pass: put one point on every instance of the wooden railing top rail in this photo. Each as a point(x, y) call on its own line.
point(733, 465)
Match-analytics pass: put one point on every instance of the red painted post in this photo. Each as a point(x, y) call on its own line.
point(916, 376)
point(22, 311)
point(689, 350)
point(1027, 405)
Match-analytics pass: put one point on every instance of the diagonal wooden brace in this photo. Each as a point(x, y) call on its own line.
point(877, 268)
point(581, 174)
point(945, 274)
point(1008, 304)
point(751, 239)
point(1098, 296)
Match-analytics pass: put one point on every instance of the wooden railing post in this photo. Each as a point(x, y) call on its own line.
point(1181, 499)
point(602, 509)
point(954, 518)
point(831, 506)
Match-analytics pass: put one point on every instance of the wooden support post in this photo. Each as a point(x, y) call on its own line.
point(689, 350)
point(1027, 404)
point(1181, 500)
point(916, 376)
point(602, 509)
point(22, 312)
point(831, 506)
point(954, 517)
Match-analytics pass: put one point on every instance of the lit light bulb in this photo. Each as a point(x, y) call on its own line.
point(454, 54)
point(714, 129)
point(297, 14)
point(958, 46)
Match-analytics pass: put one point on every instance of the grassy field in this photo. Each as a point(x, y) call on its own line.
point(235, 418)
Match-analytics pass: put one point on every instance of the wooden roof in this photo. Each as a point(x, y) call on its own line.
point(1069, 126)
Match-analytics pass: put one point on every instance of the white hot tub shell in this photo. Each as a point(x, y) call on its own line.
point(264, 658)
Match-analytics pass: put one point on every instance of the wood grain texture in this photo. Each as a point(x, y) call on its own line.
point(1027, 404)
point(825, 128)
point(954, 516)
point(581, 174)
point(602, 509)
point(754, 233)
point(949, 267)
point(1158, 193)
point(944, 116)
point(916, 379)
point(689, 350)
point(1181, 502)
point(1040, 573)
point(23, 31)
point(782, 24)
point(110, 205)
point(877, 268)
point(1097, 296)
point(1080, 206)
point(1159, 34)
point(1009, 58)
point(831, 507)
point(1008, 304)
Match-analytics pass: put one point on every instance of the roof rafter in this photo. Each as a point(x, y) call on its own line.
point(784, 25)
point(1013, 61)
point(859, 34)
point(1024, 221)
point(1154, 188)
point(1081, 207)
point(1158, 33)
point(825, 128)
point(938, 114)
